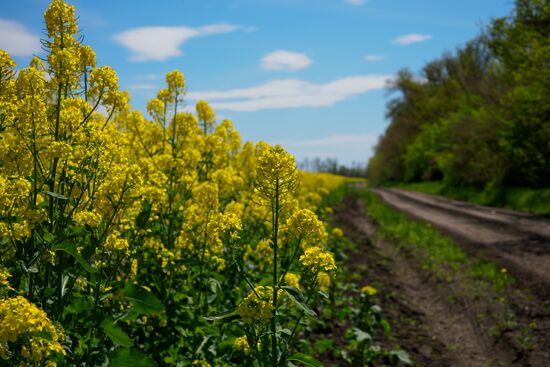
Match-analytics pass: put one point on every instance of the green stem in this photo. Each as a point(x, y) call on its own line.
point(275, 216)
point(201, 265)
point(281, 279)
point(295, 328)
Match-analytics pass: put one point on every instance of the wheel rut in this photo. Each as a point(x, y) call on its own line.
point(431, 318)
point(428, 318)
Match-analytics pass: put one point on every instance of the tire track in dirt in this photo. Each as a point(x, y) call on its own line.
point(518, 241)
point(433, 330)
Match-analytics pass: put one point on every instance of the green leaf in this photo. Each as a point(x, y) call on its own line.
point(361, 335)
point(385, 326)
point(144, 302)
point(143, 216)
point(70, 248)
point(130, 315)
point(305, 359)
point(41, 334)
point(298, 298)
point(324, 294)
point(402, 356)
point(56, 195)
point(78, 305)
point(30, 269)
point(130, 358)
point(48, 237)
point(116, 334)
point(224, 315)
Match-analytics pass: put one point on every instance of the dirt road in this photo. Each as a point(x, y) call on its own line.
point(518, 241)
point(433, 320)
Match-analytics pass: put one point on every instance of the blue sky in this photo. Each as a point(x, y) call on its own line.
point(308, 74)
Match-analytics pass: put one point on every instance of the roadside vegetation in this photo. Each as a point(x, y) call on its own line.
point(478, 117)
point(530, 200)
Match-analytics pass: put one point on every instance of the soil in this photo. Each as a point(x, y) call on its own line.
point(431, 318)
point(519, 241)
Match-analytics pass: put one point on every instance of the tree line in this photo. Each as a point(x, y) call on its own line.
point(479, 115)
point(331, 165)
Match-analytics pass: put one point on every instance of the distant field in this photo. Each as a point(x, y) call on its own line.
point(327, 180)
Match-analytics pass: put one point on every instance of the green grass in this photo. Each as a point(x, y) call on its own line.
point(523, 199)
point(439, 253)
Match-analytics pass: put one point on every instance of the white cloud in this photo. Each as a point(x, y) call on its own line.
point(332, 140)
point(285, 60)
point(17, 40)
point(407, 39)
point(161, 43)
point(374, 57)
point(292, 93)
point(142, 87)
point(355, 2)
point(150, 76)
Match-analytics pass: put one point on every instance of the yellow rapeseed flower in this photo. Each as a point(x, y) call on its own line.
point(176, 82)
point(60, 18)
point(206, 115)
point(292, 280)
point(337, 232)
point(371, 291)
point(201, 363)
point(18, 319)
point(317, 259)
point(323, 279)
point(258, 305)
point(304, 224)
point(276, 173)
point(241, 343)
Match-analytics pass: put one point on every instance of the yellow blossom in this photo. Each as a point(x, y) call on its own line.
point(317, 259)
point(258, 305)
point(60, 18)
point(323, 279)
point(305, 225)
point(241, 343)
point(201, 363)
point(176, 82)
point(276, 173)
point(337, 232)
point(18, 319)
point(369, 290)
point(292, 280)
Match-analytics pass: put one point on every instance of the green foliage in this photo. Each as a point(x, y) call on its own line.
point(517, 198)
point(479, 116)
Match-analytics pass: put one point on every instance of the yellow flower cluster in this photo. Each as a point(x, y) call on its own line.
point(4, 281)
point(292, 280)
point(200, 363)
point(324, 280)
point(60, 19)
point(206, 115)
point(276, 173)
point(258, 305)
point(369, 290)
point(18, 318)
point(317, 259)
point(176, 82)
point(337, 232)
point(241, 344)
point(171, 194)
point(305, 225)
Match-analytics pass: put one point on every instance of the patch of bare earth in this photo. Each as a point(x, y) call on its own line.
point(434, 320)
